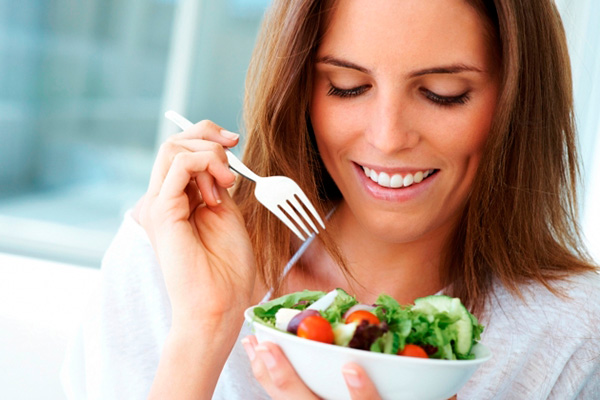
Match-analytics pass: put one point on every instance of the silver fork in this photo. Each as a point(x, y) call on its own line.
point(277, 193)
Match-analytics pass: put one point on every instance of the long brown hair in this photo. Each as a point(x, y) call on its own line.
point(279, 138)
point(520, 222)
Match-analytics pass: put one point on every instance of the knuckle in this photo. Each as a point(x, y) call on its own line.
point(166, 148)
point(206, 124)
point(259, 373)
point(215, 147)
point(281, 382)
point(218, 152)
point(180, 158)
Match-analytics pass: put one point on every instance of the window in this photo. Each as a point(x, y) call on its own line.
point(580, 18)
point(83, 86)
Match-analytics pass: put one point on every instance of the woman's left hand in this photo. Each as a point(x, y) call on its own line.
point(275, 373)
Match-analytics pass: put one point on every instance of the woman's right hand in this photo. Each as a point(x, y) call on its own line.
point(196, 229)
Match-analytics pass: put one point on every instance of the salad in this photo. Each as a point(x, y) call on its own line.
point(435, 326)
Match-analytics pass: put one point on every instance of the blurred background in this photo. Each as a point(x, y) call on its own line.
point(83, 88)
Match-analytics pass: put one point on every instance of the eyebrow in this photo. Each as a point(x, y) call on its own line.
point(342, 63)
point(445, 69)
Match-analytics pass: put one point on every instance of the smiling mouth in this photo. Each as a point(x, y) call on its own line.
point(397, 181)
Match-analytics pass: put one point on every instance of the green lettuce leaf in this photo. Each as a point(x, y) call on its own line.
point(342, 303)
point(298, 300)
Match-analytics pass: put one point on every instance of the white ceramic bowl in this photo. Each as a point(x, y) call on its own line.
point(320, 365)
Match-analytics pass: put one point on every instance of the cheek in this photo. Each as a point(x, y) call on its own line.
point(332, 126)
point(466, 134)
point(320, 123)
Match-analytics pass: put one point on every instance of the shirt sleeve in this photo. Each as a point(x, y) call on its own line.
point(544, 347)
point(581, 376)
point(116, 350)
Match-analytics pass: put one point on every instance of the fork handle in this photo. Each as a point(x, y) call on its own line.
point(238, 166)
point(234, 163)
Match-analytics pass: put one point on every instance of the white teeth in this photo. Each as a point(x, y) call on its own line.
point(396, 180)
point(384, 179)
point(418, 177)
point(373, 175)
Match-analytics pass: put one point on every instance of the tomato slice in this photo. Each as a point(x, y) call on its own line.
point(317, 328)
point(362, 315)
point(412, 350)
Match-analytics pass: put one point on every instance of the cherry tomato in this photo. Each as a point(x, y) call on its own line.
point(412, 350)
point(317, 328)
point(363, 315)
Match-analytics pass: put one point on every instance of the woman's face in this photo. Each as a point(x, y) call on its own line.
point(403, 97)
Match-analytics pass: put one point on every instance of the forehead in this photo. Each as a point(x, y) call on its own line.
point(406, 33)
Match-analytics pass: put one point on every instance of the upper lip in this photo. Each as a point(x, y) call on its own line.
point(394, 170)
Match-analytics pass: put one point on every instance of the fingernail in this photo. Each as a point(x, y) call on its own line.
point(352, 378)
point(266, 356)
point(232, 182)
point(229, 135)
point(248, 347)
point(216, 194)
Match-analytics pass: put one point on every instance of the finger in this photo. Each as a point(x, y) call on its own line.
point(359, 384)
point(208, 130)
point(258, 367)
point(277, 375)
point(187, 166)
point(208, 190)
point(196, 144)
point(193, 195)
point(169, 150)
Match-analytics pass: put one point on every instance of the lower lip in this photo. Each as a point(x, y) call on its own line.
point(402, 194)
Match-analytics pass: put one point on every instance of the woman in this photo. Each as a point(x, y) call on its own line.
point(439, 137)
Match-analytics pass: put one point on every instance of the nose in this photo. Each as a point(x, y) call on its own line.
point(392, 129)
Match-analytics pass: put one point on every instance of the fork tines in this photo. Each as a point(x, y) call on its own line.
point(294, 214)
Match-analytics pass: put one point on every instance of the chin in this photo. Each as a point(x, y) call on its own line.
point(394, 230)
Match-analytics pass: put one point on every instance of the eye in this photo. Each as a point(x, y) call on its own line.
point(344, 93)
point(446, 101)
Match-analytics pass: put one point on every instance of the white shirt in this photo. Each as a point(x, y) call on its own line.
point(544, 347)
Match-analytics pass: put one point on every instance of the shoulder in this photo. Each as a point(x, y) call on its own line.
point(544, 346)
point(575, 305)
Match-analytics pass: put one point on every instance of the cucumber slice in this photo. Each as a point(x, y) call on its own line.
point(343, 333)
point(392, 343)
point(388, 343)
point(454, 308)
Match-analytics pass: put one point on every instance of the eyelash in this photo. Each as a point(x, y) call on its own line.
point(344, 93)
point(446, 101)
point(443, 101)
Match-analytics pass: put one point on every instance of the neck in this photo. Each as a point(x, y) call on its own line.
point(404, 271)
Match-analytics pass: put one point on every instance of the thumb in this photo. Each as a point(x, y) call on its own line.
point(359, 384)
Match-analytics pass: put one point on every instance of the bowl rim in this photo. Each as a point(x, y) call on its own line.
point(487, 354)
